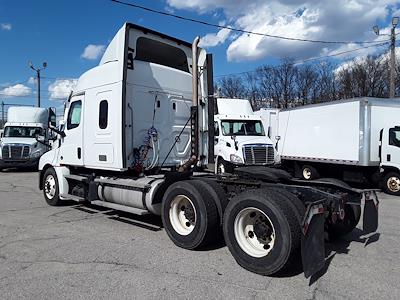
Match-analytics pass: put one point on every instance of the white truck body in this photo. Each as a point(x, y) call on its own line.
point(240, 138)
point(344, 133)
point(19, 146)
point(136, 138)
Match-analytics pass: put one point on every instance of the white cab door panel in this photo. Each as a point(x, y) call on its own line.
point(390, 147)
point(71, 149)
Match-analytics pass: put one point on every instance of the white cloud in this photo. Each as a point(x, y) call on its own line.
point(93, 52)
point(214, 39)
point(340, 20)
point(61, 88)
point(18, 90)
point(5, 26)
point(32, 80)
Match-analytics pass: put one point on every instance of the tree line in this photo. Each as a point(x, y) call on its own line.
point(289, 84)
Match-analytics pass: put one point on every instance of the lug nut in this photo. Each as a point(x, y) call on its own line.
point(187, 224)
point(250, 234)
point(183, 208)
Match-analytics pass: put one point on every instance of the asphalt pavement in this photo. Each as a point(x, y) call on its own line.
point(78, 252)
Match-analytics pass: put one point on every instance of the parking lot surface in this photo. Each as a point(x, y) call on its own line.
point(73, 251)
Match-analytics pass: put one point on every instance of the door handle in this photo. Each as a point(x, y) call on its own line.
point(388, 157)
point(79, 152)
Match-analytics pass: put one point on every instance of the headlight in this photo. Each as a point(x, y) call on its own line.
point(236, 159)
point(36, 154)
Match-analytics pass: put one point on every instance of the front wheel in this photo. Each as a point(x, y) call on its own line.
point(391, 183)
point(224, 166)
point(261, 231)
point(50, 187)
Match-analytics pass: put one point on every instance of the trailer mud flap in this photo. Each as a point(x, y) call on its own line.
point(312, 240)
point(370, 215)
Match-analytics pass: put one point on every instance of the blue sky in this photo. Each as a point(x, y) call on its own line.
point(59, 31)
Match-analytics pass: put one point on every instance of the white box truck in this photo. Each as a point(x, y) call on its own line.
point(356, 140)
point(138, 134)
point(240, 139)
point(19, 147)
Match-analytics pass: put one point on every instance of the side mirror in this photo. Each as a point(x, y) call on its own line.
point(40, 138)
point(278, 137)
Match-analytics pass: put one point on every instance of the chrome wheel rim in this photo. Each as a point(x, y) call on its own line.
point(50, 186)
point(182, 215)
point(393, 183)
point(307, 173)
point(254, 232)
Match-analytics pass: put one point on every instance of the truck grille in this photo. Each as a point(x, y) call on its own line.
point(15, 152)
point(258, 154)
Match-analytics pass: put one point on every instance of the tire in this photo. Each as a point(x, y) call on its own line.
point(50, 187)
point(224, 166)
point(352, 215)
point(217, 193)
point(391, 183)
point(196, 225)
point(309, 172)
point(271, 247)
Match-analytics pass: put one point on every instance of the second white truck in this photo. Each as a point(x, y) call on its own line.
point(19, 146)
point(240, 138)
point(356, 140)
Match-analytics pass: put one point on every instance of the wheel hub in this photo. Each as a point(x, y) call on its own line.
point(182, 215)
point(254, 232)
point(394, 184)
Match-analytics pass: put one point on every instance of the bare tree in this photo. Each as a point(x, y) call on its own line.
point(232, 87)
point(305, 80)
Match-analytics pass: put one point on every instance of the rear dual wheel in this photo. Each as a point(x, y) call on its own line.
point(189, 214)
point(262, 230)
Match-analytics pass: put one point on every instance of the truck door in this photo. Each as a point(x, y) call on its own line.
point(390, 147)
point(71, 149)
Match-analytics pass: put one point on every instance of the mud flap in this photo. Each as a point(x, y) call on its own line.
point(312, 240)
point(370, 215)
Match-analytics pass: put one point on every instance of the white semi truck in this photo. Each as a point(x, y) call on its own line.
point(138, 134)
point(19, 146)
point(356, 140)
point(240, 138)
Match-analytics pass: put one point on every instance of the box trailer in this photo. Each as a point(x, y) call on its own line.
point(240, 138)
point(355, 140)
point(137, 137)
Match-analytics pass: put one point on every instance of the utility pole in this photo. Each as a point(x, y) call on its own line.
point(392, 75)
point(2, 114)
point(38, 79)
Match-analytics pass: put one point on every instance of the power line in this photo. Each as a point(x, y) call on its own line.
point(240, 30)
point(308, 60)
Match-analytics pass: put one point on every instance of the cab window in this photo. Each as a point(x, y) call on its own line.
point(74, 115)
point(394, 136)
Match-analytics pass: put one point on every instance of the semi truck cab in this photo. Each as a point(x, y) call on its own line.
point(239, 137)
point(19, 144)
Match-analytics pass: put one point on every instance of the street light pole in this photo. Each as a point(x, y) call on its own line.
point(392, 78)
point(392, 61)
point(38, 79)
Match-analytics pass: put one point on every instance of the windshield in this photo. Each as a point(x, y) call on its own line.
point(242, 127)
point(19, 131)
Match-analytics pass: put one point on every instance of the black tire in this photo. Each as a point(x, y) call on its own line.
point(224, 165)
point(206, 220)
point(55, 199)
point(345, 226)
point(312, 171)
point(276, 206)
point(390, 183)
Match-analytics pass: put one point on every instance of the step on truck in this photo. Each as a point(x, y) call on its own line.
point(355, 140)
point(136, 138)
point(239, 137)
point(19, 147)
